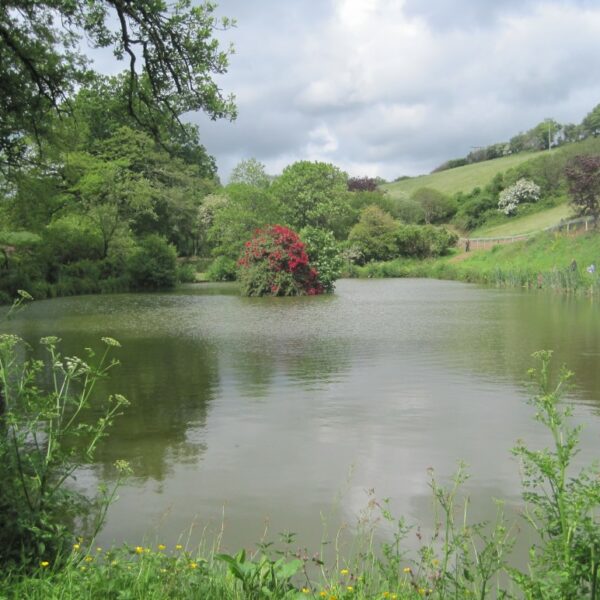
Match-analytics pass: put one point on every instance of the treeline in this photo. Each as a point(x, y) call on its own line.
point(545, 135)
point(101, 205)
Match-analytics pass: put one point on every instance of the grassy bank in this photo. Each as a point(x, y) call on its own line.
point(543, 261)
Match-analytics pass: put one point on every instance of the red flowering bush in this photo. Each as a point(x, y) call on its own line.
point(275, 263)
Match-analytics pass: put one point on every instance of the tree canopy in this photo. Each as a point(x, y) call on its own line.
point(169, 51)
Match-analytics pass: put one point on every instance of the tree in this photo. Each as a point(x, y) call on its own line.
point(375, 234)
point(247, 208)
point(170, 53)
point(362, 184)
point(251, 172)
point(437, 207)
point(591, 122)
point(583, 178)
point(314, 194)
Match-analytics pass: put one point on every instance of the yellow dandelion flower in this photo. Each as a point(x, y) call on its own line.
point(114, 563)
point(88, 559)
point(407, 570)
point(76, 546)
point(161, 547)
point(344, 571)
point(422, 591)
point(98, 549)
point(44, 564)
point(394, 596)
point(82, 568)
point(139, 550)
point(350, 588)
point(305, 590)
point(323, 594)
point(193, 565)
point(178, 547)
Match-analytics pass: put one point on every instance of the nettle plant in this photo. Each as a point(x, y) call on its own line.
point(523, 191)
point(275, 263)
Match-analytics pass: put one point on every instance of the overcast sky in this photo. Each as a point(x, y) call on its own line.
point(394, 87)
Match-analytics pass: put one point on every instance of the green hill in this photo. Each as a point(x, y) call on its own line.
point(460, 179)
point(527, 224)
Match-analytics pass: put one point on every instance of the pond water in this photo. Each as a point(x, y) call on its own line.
point(248, 413)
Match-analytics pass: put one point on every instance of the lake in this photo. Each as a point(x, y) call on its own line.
point(281, 413)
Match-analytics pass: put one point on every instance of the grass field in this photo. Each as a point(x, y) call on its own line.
point(527, 224)
point(461, 179)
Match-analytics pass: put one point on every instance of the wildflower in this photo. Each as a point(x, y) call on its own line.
point(98, 549)
point(422, 591)
point(161, 547)
point(193, 565)
point(163, 570)
point(178, 547)
point(139, 550)
point(407, 570)
point(350, 588)
point(44, 564)
point(88, 559)
point(386, 594)
point(344, 571)
point(305, 590)
point(76, 546)
point(82, 568)
point(323, 594)
point(435, 562)
point(394, 596)
point(114, 563)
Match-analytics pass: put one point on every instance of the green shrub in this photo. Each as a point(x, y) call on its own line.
point(437, 207)
point(153, 265)
point(374, 236)
point(222, 268)
point(186, 273)
point(38, 459)
point(324, 255)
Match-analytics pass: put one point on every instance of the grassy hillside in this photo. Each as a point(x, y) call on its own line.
point(527, 224)
point(461, 179)
point(541, 261)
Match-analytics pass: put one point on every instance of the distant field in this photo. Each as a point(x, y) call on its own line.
point(527, 224)
point(461, 179)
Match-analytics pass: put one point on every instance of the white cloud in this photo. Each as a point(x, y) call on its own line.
point(381, 86)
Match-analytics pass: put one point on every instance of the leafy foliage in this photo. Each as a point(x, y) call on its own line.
point(153, 265)
point(251, 172)
point(170, 52)
point(561, 509)
point(437, 207)
point(45, 436)
point(324, 254)
point(314, 194)
point(275, 263)
point(583, 177)
point(374, 235)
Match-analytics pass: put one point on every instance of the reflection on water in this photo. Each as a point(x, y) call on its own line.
point(289, 409)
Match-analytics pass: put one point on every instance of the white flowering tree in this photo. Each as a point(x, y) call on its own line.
point(523, 191)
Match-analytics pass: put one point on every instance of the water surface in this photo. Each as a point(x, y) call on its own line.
point(286, 411)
